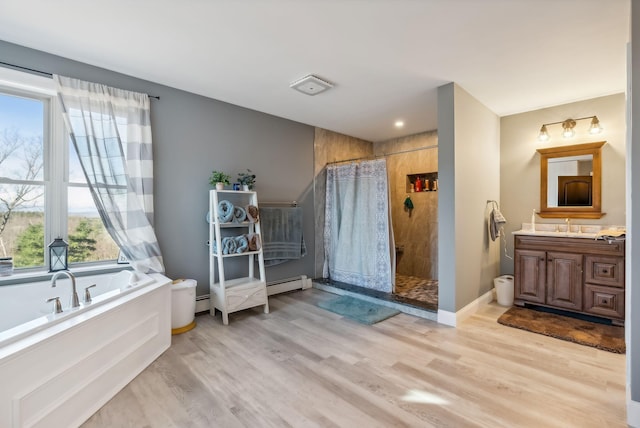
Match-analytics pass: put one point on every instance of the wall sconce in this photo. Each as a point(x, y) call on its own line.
point(567, 127)
point(58, 255)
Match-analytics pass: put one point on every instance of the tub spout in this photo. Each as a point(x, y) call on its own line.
point(75, 302)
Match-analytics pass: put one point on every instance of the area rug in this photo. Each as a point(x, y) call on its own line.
point(358, 310)
point(602, 336)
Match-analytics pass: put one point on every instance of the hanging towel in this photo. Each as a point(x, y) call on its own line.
point(282, 238)
point(408, 205)
point(496, 222)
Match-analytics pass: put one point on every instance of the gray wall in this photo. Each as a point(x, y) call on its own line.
point(446, 199)
point(469, 163)
point(192, 136)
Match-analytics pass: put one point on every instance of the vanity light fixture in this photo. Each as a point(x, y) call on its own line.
point(568, 126)
point(399, 124)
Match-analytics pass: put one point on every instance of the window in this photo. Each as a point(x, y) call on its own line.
point(43, 191)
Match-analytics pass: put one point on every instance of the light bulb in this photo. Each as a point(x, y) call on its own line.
point(595, 127)
point(543, 135)
point(567, 128)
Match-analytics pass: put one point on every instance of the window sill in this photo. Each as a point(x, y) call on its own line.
point(35, 276)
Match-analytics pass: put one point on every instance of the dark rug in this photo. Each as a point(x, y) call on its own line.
point(358, 310)
point(602, 336)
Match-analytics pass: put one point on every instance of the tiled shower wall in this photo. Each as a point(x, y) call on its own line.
point(417, 234)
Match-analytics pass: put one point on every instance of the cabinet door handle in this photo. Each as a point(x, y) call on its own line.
point(604, 271)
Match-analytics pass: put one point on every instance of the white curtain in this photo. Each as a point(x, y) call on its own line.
point(358, 238)
point(111, 131)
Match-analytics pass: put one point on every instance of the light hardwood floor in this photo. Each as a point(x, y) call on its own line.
point(302, 366)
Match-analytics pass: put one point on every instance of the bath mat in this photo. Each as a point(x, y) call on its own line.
point(602, 336)
point(358, 310)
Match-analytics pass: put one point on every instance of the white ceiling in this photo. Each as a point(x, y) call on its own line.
point(385, 57)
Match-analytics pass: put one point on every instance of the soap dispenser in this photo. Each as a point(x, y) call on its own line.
point(533, 220)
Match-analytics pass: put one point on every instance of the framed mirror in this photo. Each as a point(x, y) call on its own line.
point(570, 181)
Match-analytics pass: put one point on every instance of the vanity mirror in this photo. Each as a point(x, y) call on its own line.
point(570, 181)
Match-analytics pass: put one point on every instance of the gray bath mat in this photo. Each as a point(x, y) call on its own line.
point(358, 310)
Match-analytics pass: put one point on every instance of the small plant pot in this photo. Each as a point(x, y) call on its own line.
point(219, 186)
point(245, 187)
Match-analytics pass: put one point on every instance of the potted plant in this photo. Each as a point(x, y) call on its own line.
point(219, 179)
point(247, 179)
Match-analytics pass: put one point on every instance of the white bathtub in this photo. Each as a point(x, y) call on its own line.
point(56, 370)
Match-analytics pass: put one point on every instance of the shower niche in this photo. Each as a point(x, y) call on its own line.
point(422, 182)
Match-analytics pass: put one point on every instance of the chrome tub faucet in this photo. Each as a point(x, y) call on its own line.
point(75, 302)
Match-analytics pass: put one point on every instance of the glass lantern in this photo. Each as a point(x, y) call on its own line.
point(58, 255)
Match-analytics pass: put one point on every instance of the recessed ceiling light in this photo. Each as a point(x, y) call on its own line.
point(399, 123)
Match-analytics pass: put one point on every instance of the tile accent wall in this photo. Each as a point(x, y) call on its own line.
point(418, 234)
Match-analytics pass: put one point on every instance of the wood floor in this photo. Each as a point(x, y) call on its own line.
point(302, 366)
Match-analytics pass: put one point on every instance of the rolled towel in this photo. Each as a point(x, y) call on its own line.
point(239, 215)
point(242, 244)
point(225, 211)
point(252, 213)
point(229, 245)
point(254, 241)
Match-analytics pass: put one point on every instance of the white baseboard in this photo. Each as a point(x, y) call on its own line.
point(291, 284)
point(276, 287)
point(454, 318)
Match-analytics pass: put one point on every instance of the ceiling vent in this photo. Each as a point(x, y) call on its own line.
point(311, 85)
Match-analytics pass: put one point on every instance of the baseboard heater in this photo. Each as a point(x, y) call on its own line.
point(274, 287)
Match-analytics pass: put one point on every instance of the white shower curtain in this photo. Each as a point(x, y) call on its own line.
point(358, 238)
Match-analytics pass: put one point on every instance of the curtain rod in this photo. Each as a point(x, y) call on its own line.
point(435, 146)
point(44, 73)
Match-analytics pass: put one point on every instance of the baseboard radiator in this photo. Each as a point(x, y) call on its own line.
point(274, 287)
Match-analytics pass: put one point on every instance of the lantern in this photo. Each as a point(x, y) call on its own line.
point(58, 252)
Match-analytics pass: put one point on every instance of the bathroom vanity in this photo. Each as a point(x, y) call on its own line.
point(570, 271)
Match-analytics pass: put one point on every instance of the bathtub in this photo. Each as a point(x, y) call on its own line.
point(56, 370)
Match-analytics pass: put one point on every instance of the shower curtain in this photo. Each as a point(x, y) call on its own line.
point(358, 238)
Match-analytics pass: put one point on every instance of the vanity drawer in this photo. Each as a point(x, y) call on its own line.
point(604, 301)
point(603, 270)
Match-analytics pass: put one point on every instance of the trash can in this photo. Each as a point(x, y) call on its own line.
point(183, 305)
point(504, 289)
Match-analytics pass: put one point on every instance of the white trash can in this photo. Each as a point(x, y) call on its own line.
point(504, 290)
point(183, 305)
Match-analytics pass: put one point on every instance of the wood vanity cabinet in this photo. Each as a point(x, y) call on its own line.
point(574, 274)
